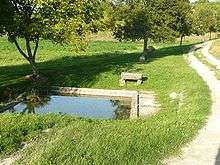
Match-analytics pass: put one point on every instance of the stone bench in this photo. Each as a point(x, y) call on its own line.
point(132, 77)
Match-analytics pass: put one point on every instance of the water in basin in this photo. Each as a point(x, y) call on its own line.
point(78, 106)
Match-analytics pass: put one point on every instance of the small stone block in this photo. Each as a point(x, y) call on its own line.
point(139, 82)
point(122, 82)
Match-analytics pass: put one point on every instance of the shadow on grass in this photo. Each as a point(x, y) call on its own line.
point(80, 71)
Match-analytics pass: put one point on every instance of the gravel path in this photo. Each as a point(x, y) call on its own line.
point(211, 59)
point(8, 161)
point(205, 148)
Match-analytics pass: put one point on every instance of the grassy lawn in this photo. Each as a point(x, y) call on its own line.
point(215, 49)
point(89, 141)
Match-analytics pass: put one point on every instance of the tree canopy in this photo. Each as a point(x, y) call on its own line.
point(162, 20)
point(205, 18)
point(158, 20)
point(183, 19)
point(57, 20)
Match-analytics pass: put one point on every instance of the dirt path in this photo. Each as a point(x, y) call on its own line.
point(205, 148)
point(211, 59)
point(8, 161)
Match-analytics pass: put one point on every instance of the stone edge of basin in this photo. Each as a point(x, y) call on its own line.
point(140, 107)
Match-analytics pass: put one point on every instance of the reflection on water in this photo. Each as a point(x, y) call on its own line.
point(34, 102)
point(123, 109)
point(78, 106)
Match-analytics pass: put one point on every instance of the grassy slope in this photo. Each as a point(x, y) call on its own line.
point(145, 141)
point(215, 49)
point(16, 129)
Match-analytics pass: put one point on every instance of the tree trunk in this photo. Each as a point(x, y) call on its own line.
point(181, 39)
point(145, 44)
point(34, 69)
point(210, 35)
point(30, 57)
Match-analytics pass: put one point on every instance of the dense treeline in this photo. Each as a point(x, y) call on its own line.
point(206, 17)
point(72, 21)
point(163, 19)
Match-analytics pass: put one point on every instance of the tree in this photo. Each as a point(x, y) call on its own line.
point(218, 17)
point(57, 20)
point(216, 8)
point(204, 18)
point(183, 14)
point(106, 23)
point(144, 19)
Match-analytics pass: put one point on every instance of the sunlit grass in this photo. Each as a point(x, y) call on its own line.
point(215, 49)
point(78, 141)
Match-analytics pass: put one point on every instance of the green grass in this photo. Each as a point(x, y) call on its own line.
point(16, 129)
point(215, 49)
point(80, 141)
point(217, 74)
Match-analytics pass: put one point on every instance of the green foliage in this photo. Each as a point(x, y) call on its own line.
point(107, 23)
point(205, 17)
point(164, 20)
point(183, 14)
point(136, 20)
point(216, 8)
point(57, 20)
point(158, 20)
point(60, 21)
